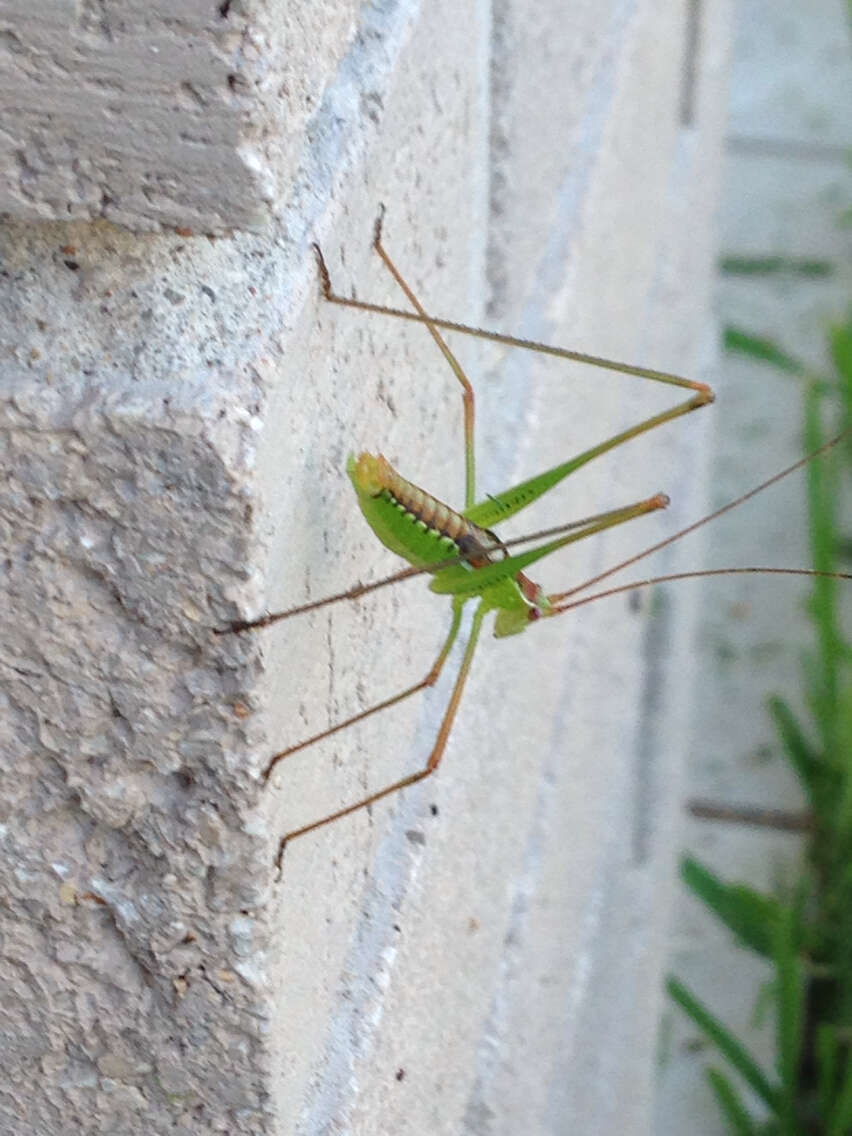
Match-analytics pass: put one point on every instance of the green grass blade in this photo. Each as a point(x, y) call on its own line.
point(724, 1040)
point(762, 350)
point(826, 1057)
point(824, 683)
point(840, 1117)
point(801, 755)
point(823, 527)
point(730, 1105)
point(790, 1002)
point(840, 337)
point(747, 913)
point(776, 265)
point(841, 354)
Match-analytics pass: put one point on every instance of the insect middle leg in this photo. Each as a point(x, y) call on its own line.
point(429, 680)
point(438, 748)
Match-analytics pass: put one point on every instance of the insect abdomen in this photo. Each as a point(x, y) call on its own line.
point(410, 521)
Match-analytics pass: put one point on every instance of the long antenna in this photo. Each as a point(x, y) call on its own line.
point(359, 590)
point(705, 521)
point(702, 573)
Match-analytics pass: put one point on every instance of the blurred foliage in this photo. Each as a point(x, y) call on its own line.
point(806, 934)
point(775, 265)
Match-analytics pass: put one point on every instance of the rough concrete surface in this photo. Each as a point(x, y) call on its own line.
point(153, 115)
point(480, 954)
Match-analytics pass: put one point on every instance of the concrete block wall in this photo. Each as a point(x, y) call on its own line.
point(156, 114)
point(480, 954)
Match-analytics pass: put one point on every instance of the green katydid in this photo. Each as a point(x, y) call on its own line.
point(465, 558)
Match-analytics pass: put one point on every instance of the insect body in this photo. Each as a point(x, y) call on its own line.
point(426, 532)
point(466, 560)
point(412, 523)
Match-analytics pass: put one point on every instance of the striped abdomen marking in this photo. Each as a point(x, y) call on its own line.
point(375, 475)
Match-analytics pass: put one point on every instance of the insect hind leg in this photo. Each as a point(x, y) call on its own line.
point(438, 748)
point(468, 400)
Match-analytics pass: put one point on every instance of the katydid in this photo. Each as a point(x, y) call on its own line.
point(466, 559)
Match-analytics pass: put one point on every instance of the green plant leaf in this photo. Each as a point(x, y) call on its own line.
point(841, 355)
point(724, 1040)
point(823, 605)
point(763, 350)
point(790, 1004)
point(801, 755)
point(730, 1105)
point(826, 1054)
point(747, 913)
point(776, 265)
point(840, 1117)
point(840, 338)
